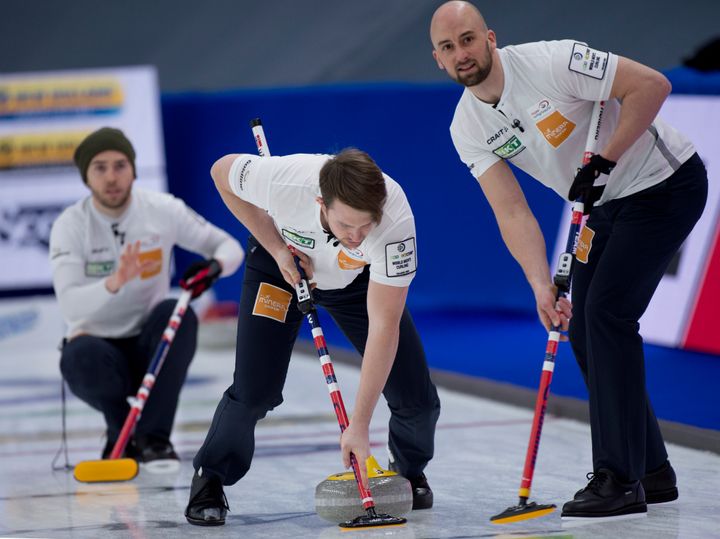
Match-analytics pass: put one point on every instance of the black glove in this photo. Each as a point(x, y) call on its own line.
point(583, 186)
point(200, 276)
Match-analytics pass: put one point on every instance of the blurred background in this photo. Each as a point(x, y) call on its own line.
point(230, 44)
point(183, 79)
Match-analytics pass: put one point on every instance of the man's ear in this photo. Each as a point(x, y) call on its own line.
point(492, 38)
point(435, 55)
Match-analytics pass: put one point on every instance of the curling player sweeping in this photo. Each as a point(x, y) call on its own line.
point(354, 235)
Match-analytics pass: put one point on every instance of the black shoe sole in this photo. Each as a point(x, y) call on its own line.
point(627, 510)
point(203, 522)
point(420, 503)
point(662, 496)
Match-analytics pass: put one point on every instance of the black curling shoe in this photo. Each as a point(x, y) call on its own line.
point(208, 504)
point(660, 485)
point(606, 496)
point(422, 493)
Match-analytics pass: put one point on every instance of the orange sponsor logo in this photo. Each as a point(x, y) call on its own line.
point(272, 302)
point(584, 245)
point(155, 266)
point(555, 128)
point(347, 263)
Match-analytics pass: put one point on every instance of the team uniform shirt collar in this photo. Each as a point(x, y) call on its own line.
point(107, 219)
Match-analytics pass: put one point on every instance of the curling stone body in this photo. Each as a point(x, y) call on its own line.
point(337, 498)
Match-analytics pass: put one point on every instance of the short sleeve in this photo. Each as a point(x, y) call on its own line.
point(476, 158)
point(581, 71)
point(248, 180)
point(394, 256)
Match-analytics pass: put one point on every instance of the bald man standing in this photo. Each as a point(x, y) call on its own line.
point(530, 105)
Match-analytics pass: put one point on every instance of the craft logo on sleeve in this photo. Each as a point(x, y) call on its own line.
point(587, 61)
point(272, 302)
point(350, 259)
point(552, 124)
point(155, 257)
point(400, 258)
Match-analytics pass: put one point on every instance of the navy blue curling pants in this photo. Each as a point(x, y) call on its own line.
point(267, 330)
point(104, 372)
point(635, 240)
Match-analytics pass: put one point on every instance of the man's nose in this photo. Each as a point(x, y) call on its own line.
point(461, 56)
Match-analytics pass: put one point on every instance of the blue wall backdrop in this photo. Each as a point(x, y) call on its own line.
point(470, 300)
point(463, 262)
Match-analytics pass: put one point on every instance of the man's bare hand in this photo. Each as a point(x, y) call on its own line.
point(129, 267)
point(356, 442)
point(552, 313)
point(288, 269)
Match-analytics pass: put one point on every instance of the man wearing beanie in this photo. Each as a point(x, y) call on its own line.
point(110, 254)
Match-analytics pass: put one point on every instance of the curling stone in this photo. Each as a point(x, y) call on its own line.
point(337, 498)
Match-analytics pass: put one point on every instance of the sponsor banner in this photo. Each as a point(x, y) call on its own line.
point(43, 118)
point(39, 149)
point(57, 95)
point(684, 310)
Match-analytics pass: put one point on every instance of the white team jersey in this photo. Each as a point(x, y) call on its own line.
point(542, 119)
point(287, 187)
point(85, 248)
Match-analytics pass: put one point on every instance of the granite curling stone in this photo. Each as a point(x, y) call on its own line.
point(337, 499)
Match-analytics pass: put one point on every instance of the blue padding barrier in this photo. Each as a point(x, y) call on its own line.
point(473, 307)
point(463, 262)
point(510, 348)
point(686, 80)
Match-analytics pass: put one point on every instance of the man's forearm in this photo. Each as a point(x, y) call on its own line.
point(525, 241)
point(380, 350)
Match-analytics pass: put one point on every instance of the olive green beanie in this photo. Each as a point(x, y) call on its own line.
point(105, 138)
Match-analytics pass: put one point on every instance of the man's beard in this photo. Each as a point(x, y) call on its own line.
point(111, 204)
point(473, 79)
